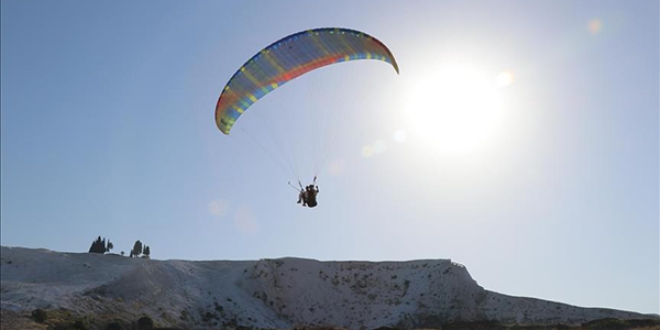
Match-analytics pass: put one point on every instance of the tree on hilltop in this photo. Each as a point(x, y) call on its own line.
point(140, 250)
point(100, 246)
point(137, 249)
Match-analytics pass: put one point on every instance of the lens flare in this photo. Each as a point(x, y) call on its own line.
point(380, 146)
point(367, 151)
point(595, 25)
point(245, 220)
point(218, 208)
point(336, 167)
point(400, 136)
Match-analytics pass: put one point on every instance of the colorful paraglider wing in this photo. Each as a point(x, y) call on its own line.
point(289, 58)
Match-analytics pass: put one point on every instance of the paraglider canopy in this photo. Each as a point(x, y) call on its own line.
point(288, 58)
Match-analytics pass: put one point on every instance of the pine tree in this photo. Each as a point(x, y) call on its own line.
point(98, 246)
point(137, 249)
point(91, 248)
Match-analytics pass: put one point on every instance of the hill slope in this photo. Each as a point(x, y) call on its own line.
point(279, 293)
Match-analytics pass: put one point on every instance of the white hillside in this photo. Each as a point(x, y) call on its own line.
point(276, 293)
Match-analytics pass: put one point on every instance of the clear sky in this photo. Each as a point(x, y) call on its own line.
point(520, 139)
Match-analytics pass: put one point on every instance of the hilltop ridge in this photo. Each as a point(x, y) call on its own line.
point(270, 293)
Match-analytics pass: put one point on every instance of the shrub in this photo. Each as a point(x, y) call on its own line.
point(39, 315)
point(606, 324)
point(114, 325)
point(80, 325)
point(145, 323)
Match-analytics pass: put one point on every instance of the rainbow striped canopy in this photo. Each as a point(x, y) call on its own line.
point(288, 58)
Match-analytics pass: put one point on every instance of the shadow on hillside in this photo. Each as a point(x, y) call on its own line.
point(65, 320)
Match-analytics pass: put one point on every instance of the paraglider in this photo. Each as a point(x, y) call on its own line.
point(286, 59)
point(307, 196)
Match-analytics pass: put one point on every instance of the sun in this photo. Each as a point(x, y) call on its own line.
point(454, 109)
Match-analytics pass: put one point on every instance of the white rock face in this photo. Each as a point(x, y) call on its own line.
point(279, 293)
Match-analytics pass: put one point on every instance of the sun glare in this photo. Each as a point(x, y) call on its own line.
point(454, 109)
point(504, 79)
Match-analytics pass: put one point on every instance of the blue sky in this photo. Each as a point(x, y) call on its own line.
point(548, 189)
